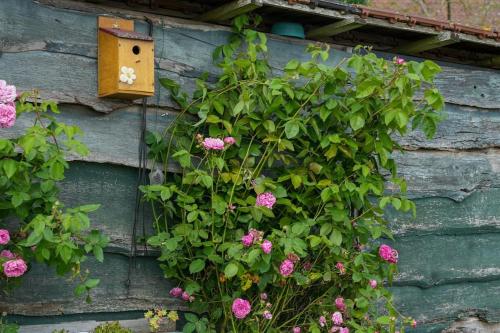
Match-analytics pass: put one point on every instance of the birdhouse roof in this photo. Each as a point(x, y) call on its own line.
point(126, 34)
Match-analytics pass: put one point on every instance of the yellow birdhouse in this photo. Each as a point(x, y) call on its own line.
point(125, 60)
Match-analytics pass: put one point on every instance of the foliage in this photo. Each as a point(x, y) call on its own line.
point(276, 227)
point(31, 213)
point(158, 316)
point(113, 327)
point(6, 327)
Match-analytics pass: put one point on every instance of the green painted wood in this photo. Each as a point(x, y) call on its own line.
point(464, 128)
point(186, 51)
point(443, 304)
point(44, 293)
point(478, 213)
point(452, 175)
point(433, 260)
point(136, 325)
point(111, 138)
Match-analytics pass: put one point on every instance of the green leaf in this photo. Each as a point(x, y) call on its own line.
point(196, 266)
point(231, 270)
point(384, 320)
point(291, 129)
point(10, 167)
point(92, 283)
point(98, 253)
point(336, 237)
point(357, 122)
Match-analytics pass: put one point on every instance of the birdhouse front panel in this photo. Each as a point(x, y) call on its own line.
point(126, 63)
point(136, 62)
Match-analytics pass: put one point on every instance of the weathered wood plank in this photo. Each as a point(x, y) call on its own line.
point(453, 175)
point(136, 325)
point(464, 128)
point(111, 138)
point(190, 47)
point(114, 188)
point(444, 304)
point(428, 261)
point(478, 213)
point(44, 293)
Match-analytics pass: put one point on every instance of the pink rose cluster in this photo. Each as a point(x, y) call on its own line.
point(266, 199)
point(7, 106)
point(14, 266)
point(241, 308)
point(388, 254)
point(399, 61)
point(255, 236)
point(4, 237)
point(216, 143)
point(337, 320)
point(179, 293)
point(287, 267)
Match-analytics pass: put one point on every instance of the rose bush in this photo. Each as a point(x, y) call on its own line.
point(34, 225)
point(270, 223)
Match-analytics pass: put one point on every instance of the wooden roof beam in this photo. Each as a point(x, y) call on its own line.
point(230, 10)
point(336, 28)
point(429, 43)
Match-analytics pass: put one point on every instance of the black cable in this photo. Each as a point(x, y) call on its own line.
point(141, 180)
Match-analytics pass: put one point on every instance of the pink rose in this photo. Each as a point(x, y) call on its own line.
point(7, 93)
point(213, 144)
point(7, 254)
point(286, 268)
point(229, 140)
point(399, 61)
point(176, 292)
point(267, 315)
point(414, 323)
point(322, 321)
point(241, 308)
point(266, 199)
point(266, 246)
point(247, 240)
point(263, 296)
point(257, 235)
point(4, 237)
point(296, 329)
point(7, 115)
point(339, 303)
point(344, 330)
point(185, 296)
point(341, 268)
point(373, 284)
point(388, 254)
point(337, 318)
point(14, 268)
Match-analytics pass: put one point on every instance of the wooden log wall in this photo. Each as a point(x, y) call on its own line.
point(449, 276)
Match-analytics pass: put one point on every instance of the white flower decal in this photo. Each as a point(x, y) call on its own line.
point(127, 75)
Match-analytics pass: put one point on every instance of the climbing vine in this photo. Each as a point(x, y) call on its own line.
point(274, 221)
point(34, 224)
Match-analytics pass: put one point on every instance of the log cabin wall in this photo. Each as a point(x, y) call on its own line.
point(449, 256)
